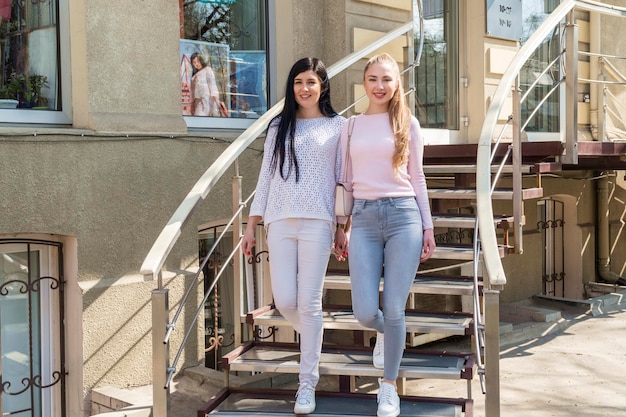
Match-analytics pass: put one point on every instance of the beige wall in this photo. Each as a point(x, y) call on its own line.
point(127, 55)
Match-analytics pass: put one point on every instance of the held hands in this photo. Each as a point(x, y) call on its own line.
point(429, 245)
point(341, 244)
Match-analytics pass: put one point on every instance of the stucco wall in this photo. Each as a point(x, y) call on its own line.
point(132, 65)
point(114, 195)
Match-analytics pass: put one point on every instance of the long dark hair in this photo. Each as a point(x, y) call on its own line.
point(287, 124)
point(200, 59)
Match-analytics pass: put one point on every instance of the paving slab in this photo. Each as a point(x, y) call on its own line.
point(577, 371)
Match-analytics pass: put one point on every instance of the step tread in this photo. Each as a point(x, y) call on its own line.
point(423, 284)
point(470, 193)
point(443, 169)
point(468, 221)
point(449, 324)
point(348, 360)
point(240, 402)
point(462, 252)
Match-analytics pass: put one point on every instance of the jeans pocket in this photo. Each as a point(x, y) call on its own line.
point(405, 204)
point(358, 207)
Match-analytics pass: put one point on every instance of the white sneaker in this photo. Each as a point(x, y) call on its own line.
point(305, 399)
point(379, 351)
point(388, 400)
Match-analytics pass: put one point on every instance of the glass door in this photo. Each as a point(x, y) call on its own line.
point(29, 314)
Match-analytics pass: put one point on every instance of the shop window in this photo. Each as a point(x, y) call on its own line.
point(29, 61)
point(223, 60)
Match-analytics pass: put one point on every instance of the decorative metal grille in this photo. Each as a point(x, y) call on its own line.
point(27, 301)
point(551, 213)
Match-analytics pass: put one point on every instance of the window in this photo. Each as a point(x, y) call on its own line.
point(436, 79)
point(223, 61)
point(30, 62)
point(546, 119)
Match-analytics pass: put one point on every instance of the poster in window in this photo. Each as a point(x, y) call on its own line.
point(204, 75)
point(248, 83)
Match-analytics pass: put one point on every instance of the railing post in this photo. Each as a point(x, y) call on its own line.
point(602, 120)
point(160, 352)
point(518, 204)
point(571, 91)
point(491, 299)
point(238, 259)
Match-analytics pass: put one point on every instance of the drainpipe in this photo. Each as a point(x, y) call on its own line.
point(603, 258)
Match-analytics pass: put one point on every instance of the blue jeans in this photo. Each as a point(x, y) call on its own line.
point(386, 232)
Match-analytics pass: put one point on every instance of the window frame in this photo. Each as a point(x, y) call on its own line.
point(51, 117)
point(234, 123)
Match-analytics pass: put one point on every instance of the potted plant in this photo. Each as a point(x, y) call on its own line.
point(29, 95)
point(9, 93)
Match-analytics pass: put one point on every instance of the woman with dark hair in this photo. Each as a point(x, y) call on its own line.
point(295, 198)
point(205, 97)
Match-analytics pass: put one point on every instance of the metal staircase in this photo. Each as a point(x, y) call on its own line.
point(462, 197)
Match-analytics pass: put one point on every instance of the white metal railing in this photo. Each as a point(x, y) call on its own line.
point(607, 68)
point(488, 241)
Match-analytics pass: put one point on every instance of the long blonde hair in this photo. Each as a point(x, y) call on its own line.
point(399, 113)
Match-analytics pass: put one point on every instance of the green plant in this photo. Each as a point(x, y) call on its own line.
point(26, 89)
point(32, 89)
point(12, 88)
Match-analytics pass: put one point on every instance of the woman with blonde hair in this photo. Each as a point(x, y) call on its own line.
point(391, 223)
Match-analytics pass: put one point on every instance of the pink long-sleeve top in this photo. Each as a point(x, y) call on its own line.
point(370, 169)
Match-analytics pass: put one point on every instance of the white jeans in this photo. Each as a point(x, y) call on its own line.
point(299, 250)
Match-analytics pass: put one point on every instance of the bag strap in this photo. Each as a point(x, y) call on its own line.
point(350, 129)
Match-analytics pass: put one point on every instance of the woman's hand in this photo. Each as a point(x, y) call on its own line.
point(248, 241)
point(429, 245)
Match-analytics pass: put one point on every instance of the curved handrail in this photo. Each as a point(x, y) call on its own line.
point(164, 243)
point(492, 261)
point(493, 264)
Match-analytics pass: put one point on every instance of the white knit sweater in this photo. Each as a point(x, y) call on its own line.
point(319, 161)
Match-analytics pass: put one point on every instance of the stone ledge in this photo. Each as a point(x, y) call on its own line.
point(112, 401)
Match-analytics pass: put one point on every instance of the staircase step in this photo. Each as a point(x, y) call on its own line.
point(470, 193)
point(246, 402)
point(462, 252)
point(449, 169)
point(448, 324)
point(423, 284)
point(348, 360)
point(446, 285)
point(468, 221)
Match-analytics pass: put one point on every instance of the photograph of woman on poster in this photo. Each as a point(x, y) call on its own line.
point(205, 97)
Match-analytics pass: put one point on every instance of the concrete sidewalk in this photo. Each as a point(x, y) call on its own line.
point(577, 370)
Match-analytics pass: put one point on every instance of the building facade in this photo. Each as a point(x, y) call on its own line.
point(97, 158)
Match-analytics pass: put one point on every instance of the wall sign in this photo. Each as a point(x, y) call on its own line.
point(504, 19)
